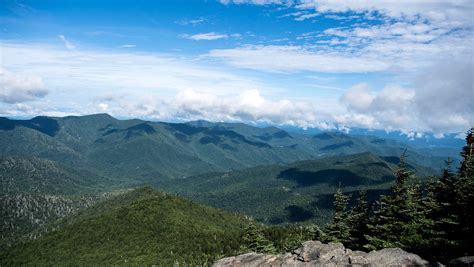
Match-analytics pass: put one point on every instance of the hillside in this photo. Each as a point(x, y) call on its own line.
point(133, 152)
point(298, 192)
point(36, 175)
point(142, 227)
point(25, 216)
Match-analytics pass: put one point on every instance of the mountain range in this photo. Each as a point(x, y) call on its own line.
point(132, 152)
point(53, 168)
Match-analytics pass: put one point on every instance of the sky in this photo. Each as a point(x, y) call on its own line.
point(329, 64)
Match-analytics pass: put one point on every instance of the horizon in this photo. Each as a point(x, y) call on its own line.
point(327, 65)
point(457, 138)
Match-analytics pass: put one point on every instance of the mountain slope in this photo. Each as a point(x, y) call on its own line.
point(22, 214)
point(134, 152)
point(296, 192)
point(142, 227)
point(36, 175)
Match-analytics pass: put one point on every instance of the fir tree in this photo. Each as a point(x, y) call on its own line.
point(465, 200)
point(254, 240)
point(398, 218)
point(338, 230)
point(357, 221)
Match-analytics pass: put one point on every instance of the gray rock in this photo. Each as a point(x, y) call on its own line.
point(315, 253)
point(324, 253)
point(462, 261)
point(395, 256)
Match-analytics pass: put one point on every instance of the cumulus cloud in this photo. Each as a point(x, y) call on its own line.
point(210, 36)
point(440, 102)
point(17, 88)
point(273, 58)
point(247, 106)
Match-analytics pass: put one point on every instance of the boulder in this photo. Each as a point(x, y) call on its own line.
point(315, 253)
point(462, 261)
point(395, 256)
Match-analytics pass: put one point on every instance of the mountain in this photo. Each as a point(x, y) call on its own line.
point(141, 227)
point(134, 152)
point(297, 192)
point(36, 175)
point(24, 214)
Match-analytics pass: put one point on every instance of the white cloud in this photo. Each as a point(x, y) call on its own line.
point(257, 2)
point(306, 16)
point(358, 97)
point(66, 43)
point(458, 11)
point(192, 22)
point(17, 88)
point(247, 106)
point(440, 102)
point(128, 46)
point(295, 58)
point(87, 73)
point(210, 36)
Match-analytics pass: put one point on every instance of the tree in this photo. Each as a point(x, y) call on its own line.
point(254, 240)
point(465, 200)
point(338, 230)
point(358, 220)
point(398, 218)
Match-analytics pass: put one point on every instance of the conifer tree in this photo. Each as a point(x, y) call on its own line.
point(338, 230)
point(357, 221)
point(398, 218)
point(254, 240)
point(465, 201)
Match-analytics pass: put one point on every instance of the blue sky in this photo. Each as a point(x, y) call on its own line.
point(397, 65)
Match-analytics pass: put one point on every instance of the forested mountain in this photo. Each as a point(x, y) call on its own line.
point(37, 175)
point(296, 192)
point(65, 194)
point(135, 151)
point(48, 163)
point(142, 227)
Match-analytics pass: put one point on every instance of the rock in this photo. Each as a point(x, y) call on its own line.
point(395, 256)
point(255, 259)
point(462, 261)
point(315, 253)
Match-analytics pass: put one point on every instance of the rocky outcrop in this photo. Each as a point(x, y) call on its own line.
point(315, 253)
point(462, 261)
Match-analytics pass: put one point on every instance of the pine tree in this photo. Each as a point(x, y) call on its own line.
point(254, 240)
point(338, 230)
point(357, 222)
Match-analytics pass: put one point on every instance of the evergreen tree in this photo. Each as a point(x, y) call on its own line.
point(398, 218)
point(338, 230)
point(254, 240)
point(441, 204)
point(358, 220)
point(465, 200)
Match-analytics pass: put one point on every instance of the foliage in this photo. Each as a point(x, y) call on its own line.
point(254, 240)
point(357, 221)
point(338, 230)
point(434, 220)
point(143, 227)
